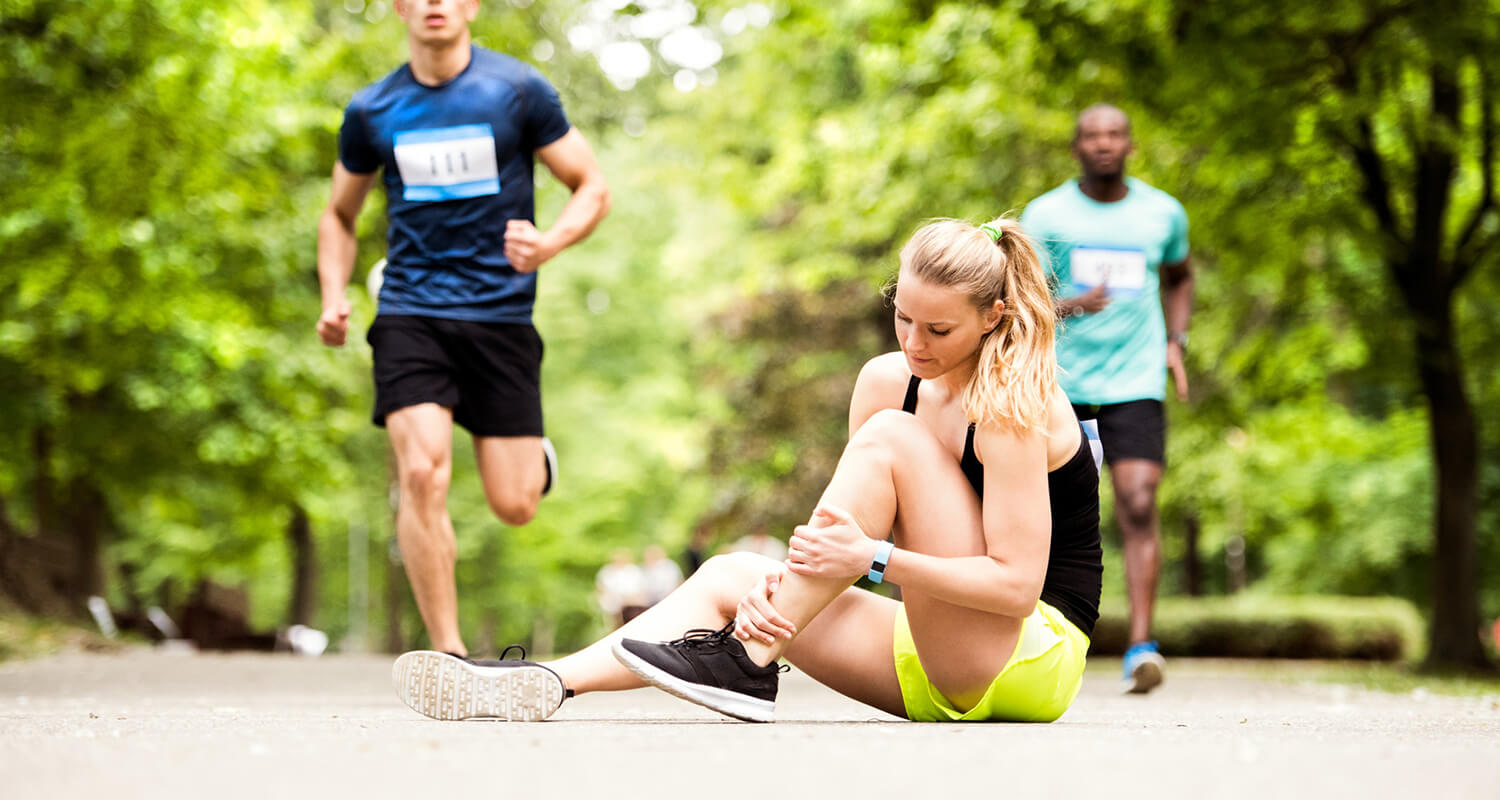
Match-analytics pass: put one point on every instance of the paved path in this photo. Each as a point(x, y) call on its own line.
point(153, 725)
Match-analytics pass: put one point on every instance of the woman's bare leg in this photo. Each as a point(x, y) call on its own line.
point(895, 474)
point(706, 600)
point(848, 648)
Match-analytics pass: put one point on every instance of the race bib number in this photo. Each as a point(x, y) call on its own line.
point(1123, 272)
point(447, 163)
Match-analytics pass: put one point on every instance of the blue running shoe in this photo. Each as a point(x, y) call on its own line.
point(1144, 668)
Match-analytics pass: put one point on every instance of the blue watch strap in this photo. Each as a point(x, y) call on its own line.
point(882, 558)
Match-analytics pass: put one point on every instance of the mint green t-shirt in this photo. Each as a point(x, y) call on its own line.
point(1120, 353)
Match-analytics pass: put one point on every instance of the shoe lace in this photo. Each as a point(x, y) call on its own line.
point(702, 637)
point(707, 637)
point(513, 647)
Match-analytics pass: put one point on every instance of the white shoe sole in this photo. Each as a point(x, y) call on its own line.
point(1147, 675)
point(725, 702)
point(549, 455)
point(440, 686)
point(375, 280)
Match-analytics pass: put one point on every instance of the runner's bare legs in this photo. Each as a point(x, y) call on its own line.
point(422, 438)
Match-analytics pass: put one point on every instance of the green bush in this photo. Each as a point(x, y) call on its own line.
point(24, 636)
point(1268, 626)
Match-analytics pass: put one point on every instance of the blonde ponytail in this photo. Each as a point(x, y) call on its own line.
point(1017, 367)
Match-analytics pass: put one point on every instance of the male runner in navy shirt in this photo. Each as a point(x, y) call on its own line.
point(453, 132)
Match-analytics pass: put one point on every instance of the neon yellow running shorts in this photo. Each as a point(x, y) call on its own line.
point(1037, 684)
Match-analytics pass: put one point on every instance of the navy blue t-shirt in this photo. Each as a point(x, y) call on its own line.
point(458, 165)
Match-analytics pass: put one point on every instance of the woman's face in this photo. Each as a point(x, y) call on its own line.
point(938, 326)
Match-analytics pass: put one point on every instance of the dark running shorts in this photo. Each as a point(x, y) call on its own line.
point(489, 373)
point(1137, 429)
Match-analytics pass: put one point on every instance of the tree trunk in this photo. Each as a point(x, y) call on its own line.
point(304, 568)
point(10, 541)
point(54, 567)
point(86, 523)
point(1455, 609)
point(1192, 568)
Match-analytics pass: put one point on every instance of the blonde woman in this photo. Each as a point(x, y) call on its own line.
point(963, 447)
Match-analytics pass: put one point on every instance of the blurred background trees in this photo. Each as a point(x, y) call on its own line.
point(169, 415)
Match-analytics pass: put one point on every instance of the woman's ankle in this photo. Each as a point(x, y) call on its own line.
point(761, 653)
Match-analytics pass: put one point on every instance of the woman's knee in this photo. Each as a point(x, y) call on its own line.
point(727, 577)
point(890, 424)
point(738, 568)
point(888, 432)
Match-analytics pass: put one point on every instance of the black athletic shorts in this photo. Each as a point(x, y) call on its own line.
point(1136, 429)
point(488, 373)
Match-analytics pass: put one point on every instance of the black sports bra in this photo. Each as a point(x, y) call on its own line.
point(973, 470)
point(1075, 565)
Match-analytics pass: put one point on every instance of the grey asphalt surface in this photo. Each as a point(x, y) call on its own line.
point(156, 725)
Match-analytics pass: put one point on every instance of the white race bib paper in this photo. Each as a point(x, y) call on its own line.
point(447, 163)
point(1122, 271)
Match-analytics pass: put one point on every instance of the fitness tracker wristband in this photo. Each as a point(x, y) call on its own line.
point(882, 558)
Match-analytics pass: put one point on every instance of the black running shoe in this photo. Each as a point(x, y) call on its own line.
point(709, 668)
point(446, 686)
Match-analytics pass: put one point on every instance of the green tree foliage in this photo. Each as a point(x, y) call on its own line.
point(1391, 107)
point(153, 315)
point(170, 416)
point(842, 129)
point(846, 126)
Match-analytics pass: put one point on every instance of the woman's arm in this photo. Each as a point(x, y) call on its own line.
point(1017, 532)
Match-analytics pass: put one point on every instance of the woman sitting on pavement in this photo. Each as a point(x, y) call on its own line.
point(961, 444)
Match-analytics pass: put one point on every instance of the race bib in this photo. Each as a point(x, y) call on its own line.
point(1123, 272)
point(447, 163)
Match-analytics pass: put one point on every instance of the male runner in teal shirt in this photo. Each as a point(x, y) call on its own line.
point(1119, 250)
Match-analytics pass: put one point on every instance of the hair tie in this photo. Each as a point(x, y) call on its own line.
point(992, 231)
